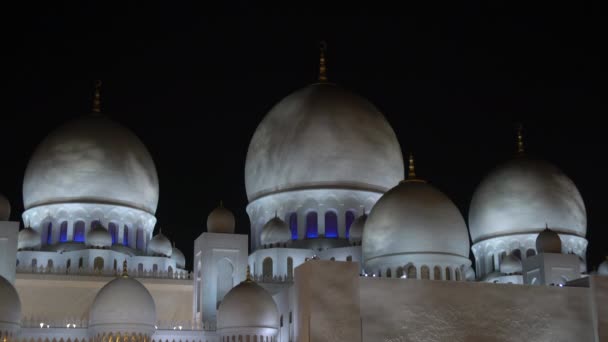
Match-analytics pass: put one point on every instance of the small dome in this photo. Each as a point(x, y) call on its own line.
point(5, 208)
point(10, 307)
point(123, 305)
point(548, 241)
point(603, 268)
point(275, 231)
point(220, 220)
point(520, 196)
point(248, 305)
point(178, 256)
point(160, 246)
point(510, 264)
point(322, 136)
point(99, 237)
point(28, 238)
point(355, 233)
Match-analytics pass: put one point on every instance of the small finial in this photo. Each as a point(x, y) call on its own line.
point(125, 274)
point(412, 170)
point(322, 66)
point(520, 139)
point(97, 97)
point(248, 277)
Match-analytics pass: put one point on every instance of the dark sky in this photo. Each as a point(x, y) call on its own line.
point(193, 83)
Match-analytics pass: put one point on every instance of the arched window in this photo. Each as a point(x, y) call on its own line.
point(437, 273)
point(68, 264)
point(225, 281)
point(281, 321)
point(155, 268)
point(517, 253)
point(95, 224)
point(125, 235)
point(331, 224)
point(49, 234)
point(349, 217)
point(457, 274)
point(388, 272)
point(115, 266)
point(34, 263)
point(399, 272)
point(98, 264)
point(530, 252)
point(312, 226)
point(267, 268)
point(411, 272)
point(49, 264)
point(139, 239)
point(113, 229)
point(170, 271)
point(63, 232)
point(349, 258)
point(80, 262)
point(425, 273)
point(140, 268)
point(79, 231)
point(448, 274)
point(289, 268)
point(293, 225)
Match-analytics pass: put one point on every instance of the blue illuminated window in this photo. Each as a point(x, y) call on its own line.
point(349, 217)
point(331, 224)
point(293, 225)
point(79, 231)
point(49, 234)
point(113, 232)
point(312, 226)
point(63, 232)
point(125, 236)
point(139, 239)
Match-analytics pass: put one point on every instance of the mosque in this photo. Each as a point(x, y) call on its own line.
point(345, 244)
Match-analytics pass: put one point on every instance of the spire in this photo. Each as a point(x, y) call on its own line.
point(520, 139)
point(125, 274)
point(322, 66)
point(97, 97)
point(248, 278)
point(412, 168)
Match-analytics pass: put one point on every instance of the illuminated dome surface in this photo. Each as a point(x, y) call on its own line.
point(160, 245)
point(178, 256)
point(275, 231)
point(356, 229)
point(91, 160)
point(28, 238)
point(548, 241)
point(99, 237)
point(247, 305)
point(322, 136)
point(414, 217)
point(522, 196)
point(221, 220)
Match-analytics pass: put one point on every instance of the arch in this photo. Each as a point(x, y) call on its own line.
point(139, 239)
point(289, 267)
point(388, 272)
point(267, 268)
point(113, 230)
point(34, 263)
point(312, 225)
point(349, 218)
point(80, 262)
point(331, 224)
point(457, 274)
point(437, 273)
point(155, 268)
point(79, 231)
point(412, 273)
point(530, 252)
point(225, 271)
point(170, 271)
point(68, 264)
point(49, 264)
point(98, 264)
point(49, 234)
point(517, 253)
point(140, 268)
point(293, 225)
point(425, 272)
point(125, 235)
point(399, 272)
point(63, 231)
point(115, 266)
point(448, 274)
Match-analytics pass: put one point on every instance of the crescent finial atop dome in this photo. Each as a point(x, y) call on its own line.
point(125, 273)
point(97, 97)
point(248, 277)
point(411, 174)
point(520, 139)
point(322, 66)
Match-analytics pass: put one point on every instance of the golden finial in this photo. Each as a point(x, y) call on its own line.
point(322, 66)
point(125, 273)
point(412, 170)
point(97, 97)
point(248, 278)
point(520, 139)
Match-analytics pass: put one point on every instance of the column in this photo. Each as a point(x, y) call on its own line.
point(321, 208)
point(341, 222)
point(70, 236)
point(301, 223)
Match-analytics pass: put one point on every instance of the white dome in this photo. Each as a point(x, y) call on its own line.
point(548, 241)
point(275, 231)
point(178, 256)
point(10, 306)
point(220, 220)
point(94, 160)
point(523, 195)
point(356, 229)
point(322, 136)
point(603, 268)
point(5, 208)
point(99, 237)
point(248, 305)
point(28, 238)
point(414, 218)
point(510, 264)
point(159, 245)
point(123, 305)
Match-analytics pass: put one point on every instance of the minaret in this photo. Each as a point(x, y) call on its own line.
point(322, 66)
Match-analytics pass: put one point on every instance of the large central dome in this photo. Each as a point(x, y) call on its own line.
point(91, 159)
point(322, 136)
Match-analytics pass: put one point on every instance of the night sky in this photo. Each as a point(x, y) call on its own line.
point(193, 84)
